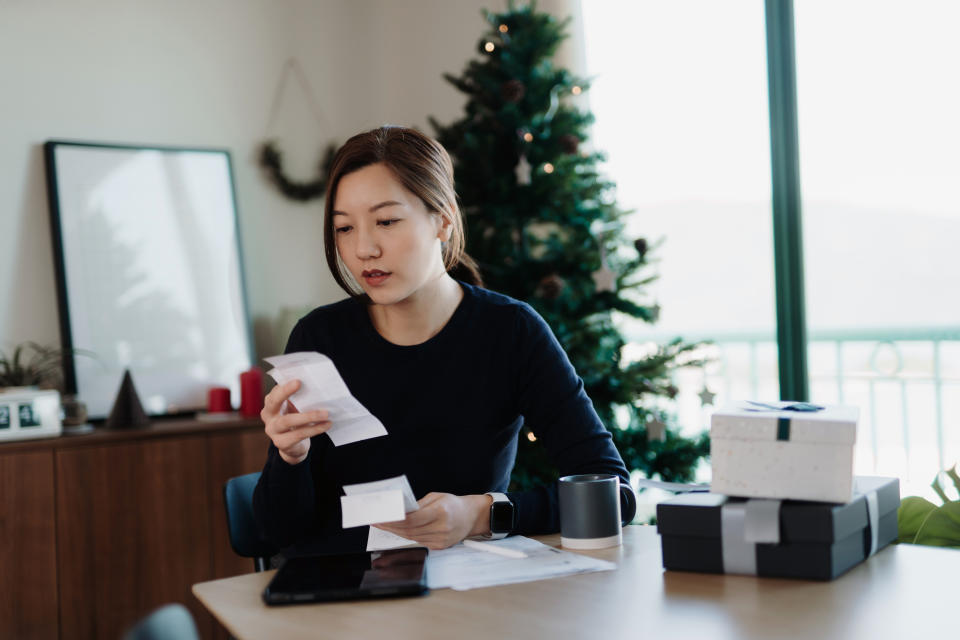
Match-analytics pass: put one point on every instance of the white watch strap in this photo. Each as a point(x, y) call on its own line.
point(497, 497)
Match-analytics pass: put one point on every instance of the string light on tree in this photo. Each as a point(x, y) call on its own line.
point(489, 47)
point(494, 143)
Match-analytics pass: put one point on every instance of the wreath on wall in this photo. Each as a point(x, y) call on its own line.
point(270, 158)
point(271, 162)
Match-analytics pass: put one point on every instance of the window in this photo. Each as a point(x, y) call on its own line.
point(879, 135)
point(680, 97)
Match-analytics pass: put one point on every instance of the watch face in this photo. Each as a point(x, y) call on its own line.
point(501, 517)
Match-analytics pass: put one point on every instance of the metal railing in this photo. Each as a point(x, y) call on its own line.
point(879, 362)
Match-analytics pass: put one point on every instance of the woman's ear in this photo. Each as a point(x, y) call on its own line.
point(446, 226)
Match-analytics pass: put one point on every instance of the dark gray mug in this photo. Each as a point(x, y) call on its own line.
point(590, 511)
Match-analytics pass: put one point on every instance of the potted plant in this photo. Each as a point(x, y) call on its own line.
point(922, 522)
point(32, 365)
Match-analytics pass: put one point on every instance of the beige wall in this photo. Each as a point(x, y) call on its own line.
point(203, 73)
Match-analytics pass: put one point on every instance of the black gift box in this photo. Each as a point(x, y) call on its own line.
point(817, 540)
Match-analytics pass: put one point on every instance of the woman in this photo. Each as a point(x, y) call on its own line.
point(452, 370)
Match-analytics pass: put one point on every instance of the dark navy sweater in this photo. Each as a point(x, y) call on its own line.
point(452, 406)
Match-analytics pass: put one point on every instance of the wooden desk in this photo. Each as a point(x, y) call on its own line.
point(903, 592)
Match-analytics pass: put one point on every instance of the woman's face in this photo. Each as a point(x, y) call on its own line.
point(385, 235)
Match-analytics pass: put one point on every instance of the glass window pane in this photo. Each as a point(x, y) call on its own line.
point(680, 99)
point(879, 134)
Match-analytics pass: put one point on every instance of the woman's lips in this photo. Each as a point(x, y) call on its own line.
point(375, 276)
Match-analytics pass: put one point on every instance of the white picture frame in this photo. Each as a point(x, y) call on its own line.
point(149, 273)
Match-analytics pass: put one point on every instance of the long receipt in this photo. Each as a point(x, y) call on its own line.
point(322, 387)
point(386, 500)
point(379, 501)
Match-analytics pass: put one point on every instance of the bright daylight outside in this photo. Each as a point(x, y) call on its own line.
point(684, 121)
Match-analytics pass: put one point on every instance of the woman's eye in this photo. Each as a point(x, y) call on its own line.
point(342, 229)
point(387, 223)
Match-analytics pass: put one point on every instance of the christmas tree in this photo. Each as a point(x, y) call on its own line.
point(544, 227)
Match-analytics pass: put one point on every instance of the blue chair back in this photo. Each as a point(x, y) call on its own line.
point(170, 622)
point(244, 534)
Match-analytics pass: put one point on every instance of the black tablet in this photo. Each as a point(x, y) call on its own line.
point(373, 574)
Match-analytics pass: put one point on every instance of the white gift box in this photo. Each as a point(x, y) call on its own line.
point(766, 450)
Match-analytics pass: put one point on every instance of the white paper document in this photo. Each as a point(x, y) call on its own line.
point(399, 483)
point(321, 387)
point(462, 568)
point(378, 540)
point(386, 500)
point(371, 508)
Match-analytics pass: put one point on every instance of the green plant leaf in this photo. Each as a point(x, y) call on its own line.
point(952, 472)
point(912, 513)
point(33, 364)
point(942, 527)
point(940, 492)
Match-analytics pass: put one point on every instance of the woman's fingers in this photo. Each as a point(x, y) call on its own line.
point(300, 431)
point(273, 402)
point(289, 438)
point(424, 536)
point(422, 516)
point(432, 529)
point(423, 520)
point(293, 421)
point(430, 498)
point(289, 430)
point(415, 519)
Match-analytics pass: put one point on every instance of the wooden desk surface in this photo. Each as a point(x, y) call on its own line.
point(904, 591)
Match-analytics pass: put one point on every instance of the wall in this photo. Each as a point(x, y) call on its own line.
point(204, 73)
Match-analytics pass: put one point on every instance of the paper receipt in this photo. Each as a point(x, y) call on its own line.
point(322, 387)
point(385, 500)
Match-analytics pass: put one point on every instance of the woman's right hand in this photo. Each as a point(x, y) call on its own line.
point(289, 429)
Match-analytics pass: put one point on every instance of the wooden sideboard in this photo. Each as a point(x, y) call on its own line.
point(97, 530)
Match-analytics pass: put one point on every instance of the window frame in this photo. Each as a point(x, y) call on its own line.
point(786, 205)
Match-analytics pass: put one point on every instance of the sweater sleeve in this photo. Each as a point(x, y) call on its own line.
point(285, 501)
point(555, 406)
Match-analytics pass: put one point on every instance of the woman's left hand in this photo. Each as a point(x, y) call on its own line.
point(443, 520)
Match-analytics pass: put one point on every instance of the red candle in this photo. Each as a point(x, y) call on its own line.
point(251, 393)
point(218, 400)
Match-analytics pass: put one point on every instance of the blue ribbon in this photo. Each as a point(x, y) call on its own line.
point(783, 428)
point(783, 424)
point(796, 406)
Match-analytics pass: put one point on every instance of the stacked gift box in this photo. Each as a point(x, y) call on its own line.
point(784, 501)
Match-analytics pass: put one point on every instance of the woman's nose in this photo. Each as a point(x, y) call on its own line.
point(367, 245)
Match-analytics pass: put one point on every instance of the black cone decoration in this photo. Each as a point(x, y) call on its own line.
point(127, 412)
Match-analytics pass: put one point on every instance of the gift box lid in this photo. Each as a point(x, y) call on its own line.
point(791, 421)
point(698, 514)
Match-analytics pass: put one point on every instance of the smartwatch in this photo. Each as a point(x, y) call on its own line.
point(503, 516)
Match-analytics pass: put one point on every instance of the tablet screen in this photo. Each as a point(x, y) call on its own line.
point(354, 575)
